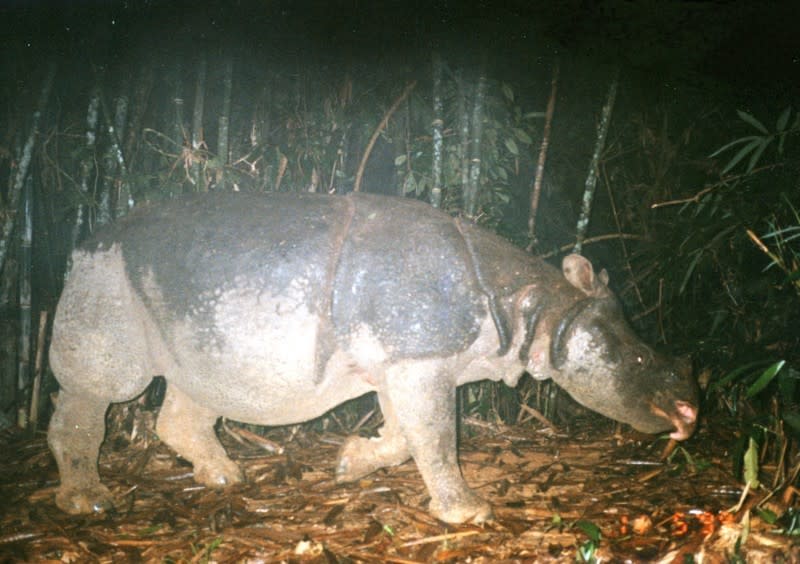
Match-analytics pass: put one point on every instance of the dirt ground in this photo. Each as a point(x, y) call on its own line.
point(559, 496)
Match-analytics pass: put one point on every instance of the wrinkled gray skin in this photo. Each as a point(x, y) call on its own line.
point(274, 309)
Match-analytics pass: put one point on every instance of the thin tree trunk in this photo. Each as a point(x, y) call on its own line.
point(259, 133)
point(24, 349)
point(463, 131)
point(24, 164)
point(88, 172)
point(224, 118)
point(476, 137)
point(402, 152)
point(123, 201)
point(142, 90)
point(114, 198)
point(178, 133)
point(537, 183)
point(37, 375)
point(338, 172)
point(197, 124)
point(438, 137)
point(591, 177)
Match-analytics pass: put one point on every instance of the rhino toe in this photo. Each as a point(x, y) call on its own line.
point(472, 509)
point(218, 473)
point(94, 499)
point(360, 456)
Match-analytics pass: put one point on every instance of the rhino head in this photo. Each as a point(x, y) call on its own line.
point(597, 358)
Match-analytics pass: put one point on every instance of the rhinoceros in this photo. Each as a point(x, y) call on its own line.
point(272, 309)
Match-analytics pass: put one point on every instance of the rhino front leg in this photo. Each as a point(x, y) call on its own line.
point(76, 432)
point(360, 456)
point(188, 429)
point(424, 402)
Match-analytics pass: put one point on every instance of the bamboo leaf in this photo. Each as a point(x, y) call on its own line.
point(410, 185)
point(512, 146)
point(401, 159)
point(689, 270)
point(508, 92)
point(783, 119)
point(765, 378)
point(757, 154)
point(750, 119)
point(751, 464)
point(522, 136)
point(724, 148)
point(742, 154)
point(590, 529)
point(734, 373)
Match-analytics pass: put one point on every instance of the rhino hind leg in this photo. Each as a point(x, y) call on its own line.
point(360, 456)
point(428, 423)
point(76, 432)
point(188, 429)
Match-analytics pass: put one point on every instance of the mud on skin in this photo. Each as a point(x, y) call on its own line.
point(273, 309)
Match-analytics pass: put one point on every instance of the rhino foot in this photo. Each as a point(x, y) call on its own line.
point(188, 428)
point(470, 508)
point(359, 456)
point(218, 473)
point(76, 432)
point(92, 499)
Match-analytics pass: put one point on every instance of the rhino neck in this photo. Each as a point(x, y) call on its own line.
point(558, 349)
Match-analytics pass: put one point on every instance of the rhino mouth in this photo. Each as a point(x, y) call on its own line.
point(683, 419)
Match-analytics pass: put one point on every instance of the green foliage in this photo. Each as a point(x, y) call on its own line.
point(692, 462)
point(755, 145)
point(202, 553)
point(743, 391)
point(587, 549)
point(789, 522)
point(508, 134)
point(751, 464)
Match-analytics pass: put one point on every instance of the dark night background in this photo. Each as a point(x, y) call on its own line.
point(312, 80)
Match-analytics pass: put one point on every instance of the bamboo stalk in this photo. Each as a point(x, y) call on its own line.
point(37, 372)
point(87, 172)
point(476, 139)
point(178, 130)
point(197, 123)
point(438, 137)
point(24, 351)
point(224, 117)
point(360, 173)
point(537, 183)
point(591, 177)
point(463, 131)
point(24, 164)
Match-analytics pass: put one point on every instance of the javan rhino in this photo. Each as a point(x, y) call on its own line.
point(273, 309)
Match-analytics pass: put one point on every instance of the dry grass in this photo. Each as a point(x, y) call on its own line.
point(291, 510)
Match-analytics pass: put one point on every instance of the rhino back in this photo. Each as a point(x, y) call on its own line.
point(195, 248)
point(504, 268)
point(405, 274)
point(394, 266)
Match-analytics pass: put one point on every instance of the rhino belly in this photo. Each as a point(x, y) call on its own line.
point(252, 356)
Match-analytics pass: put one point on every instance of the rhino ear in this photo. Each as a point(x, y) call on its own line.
point(579, 272)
